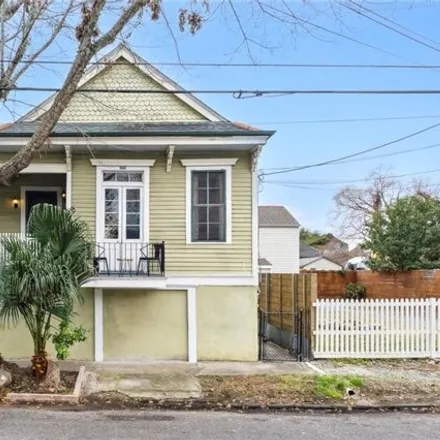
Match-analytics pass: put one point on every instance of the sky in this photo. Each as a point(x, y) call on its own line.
point(301, 138)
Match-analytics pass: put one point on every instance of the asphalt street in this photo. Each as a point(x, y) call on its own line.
point(41, 424)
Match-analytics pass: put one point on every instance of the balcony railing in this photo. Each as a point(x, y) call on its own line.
point(119, 258)
point(129, 259)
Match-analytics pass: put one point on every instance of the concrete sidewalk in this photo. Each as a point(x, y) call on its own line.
point(174, 380)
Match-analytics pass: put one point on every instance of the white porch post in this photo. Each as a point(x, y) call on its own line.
point(192, 324)
point(99, 326)
point(68, 176)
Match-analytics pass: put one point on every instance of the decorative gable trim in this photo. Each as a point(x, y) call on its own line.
point(146, 68)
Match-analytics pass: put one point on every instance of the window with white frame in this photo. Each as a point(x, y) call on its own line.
point(209, 200)
point(208, 206)
point(122, 202)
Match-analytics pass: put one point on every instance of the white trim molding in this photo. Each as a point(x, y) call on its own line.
point(209, 162)
point(23, 191)
point(122, 162)
point(68, 151)
point(191, 300)
point(98, 325)
point(255, 231)
point(44, 168)
point(228, 199)
point(214, 280)
point(106, 282)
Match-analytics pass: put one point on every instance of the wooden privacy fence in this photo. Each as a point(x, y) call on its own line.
point(287, 292)
point(397, 328)
point(285, 310)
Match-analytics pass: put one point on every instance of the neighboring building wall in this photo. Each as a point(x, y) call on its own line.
point(281, 247)
point(145, 325)
point(227, 323)
point(16, 342)
point(319, 264)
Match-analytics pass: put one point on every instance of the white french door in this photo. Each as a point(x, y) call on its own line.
point(123, 214)
point(122, 228)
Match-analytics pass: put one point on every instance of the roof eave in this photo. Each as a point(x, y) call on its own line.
point(266, 134)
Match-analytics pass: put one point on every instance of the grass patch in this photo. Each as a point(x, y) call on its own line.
point(335, 387)
point(278, 389)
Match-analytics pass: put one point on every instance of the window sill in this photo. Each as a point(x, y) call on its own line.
point(208, 243)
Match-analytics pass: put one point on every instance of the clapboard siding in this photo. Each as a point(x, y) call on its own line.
point(280, 246)
point(168, 214)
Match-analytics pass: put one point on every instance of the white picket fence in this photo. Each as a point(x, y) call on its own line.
point(397, 328)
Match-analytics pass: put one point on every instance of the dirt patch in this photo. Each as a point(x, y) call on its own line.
point(429, 365)
point(389, 391)
point(24, 382)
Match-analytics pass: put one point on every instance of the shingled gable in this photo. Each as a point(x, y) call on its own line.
point(143, 76)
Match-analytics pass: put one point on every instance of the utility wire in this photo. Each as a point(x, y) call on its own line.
point(238, 93)
point(349, 156)
point(255, 65)
point(377, 156)
point(394, 22)
point(333, 121)
point(404, 34)
point(343, 182)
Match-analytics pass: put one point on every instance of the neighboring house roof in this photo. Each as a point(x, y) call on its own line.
point(303, 262)
point(264, 262)
point(276, 217)
point(334, 245)
point(202, 128)
point(306, 251)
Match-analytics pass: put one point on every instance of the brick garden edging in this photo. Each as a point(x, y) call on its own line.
point(51, 398)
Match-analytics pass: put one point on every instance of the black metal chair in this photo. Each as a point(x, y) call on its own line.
point(100, 251)
point(147, 258)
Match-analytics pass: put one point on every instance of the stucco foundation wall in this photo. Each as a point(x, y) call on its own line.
point(16, 342)
point(145, 325)
point(227, 323)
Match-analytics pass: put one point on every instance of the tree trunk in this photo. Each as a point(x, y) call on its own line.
point(39, 359)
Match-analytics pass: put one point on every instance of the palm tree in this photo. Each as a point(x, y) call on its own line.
point(41, 275)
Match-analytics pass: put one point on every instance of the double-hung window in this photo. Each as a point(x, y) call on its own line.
point(208, 200)
point(208, 204)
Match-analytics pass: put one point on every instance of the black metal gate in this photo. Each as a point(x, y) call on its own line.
point(284, 336)
point(285, 307)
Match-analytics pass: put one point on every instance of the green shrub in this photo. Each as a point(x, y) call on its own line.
point(66, 337)
point(355, 291)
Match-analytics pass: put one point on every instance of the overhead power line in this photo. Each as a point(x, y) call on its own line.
point(376, 156)
point(346, 181)
point(333, 121)
point(244, 65)
point(382, 17)
point(397, 31)
point(237, 93)
point(358, 153)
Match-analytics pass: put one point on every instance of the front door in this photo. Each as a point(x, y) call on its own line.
point(35, 197)
point(123, 222)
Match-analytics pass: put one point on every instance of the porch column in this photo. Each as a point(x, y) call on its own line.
point(192, 324)
point(68, 176)
point(99, 325)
